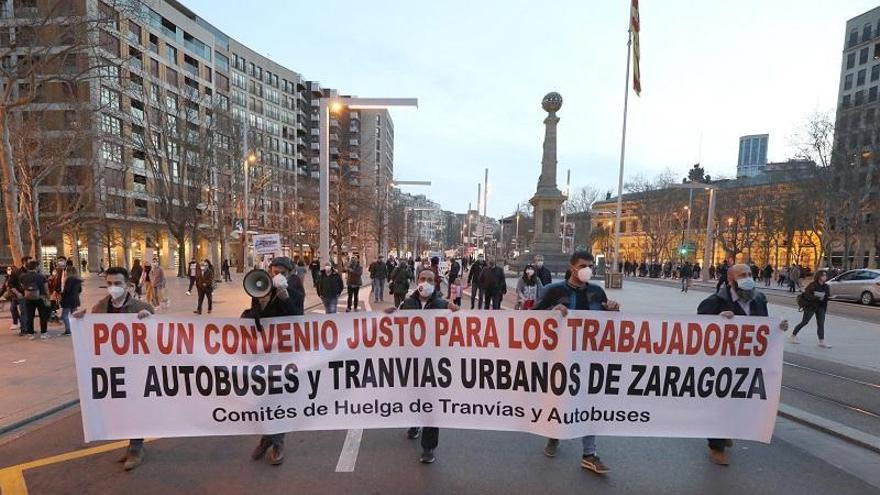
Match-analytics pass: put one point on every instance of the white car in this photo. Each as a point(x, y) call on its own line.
point(862, 285)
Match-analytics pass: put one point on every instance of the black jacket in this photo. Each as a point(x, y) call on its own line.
point(378, 269)
point(474, 274)
point(544, 276)
point(276, 307)
point(588, 297)
point(720, 301)
point(434, 302)
point(330, 285)
point(492, 279)
point(70, 292)
point(812, 300)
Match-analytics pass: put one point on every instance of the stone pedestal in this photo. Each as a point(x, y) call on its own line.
point(548, 199)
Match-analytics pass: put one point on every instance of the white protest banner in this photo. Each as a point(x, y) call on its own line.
point(267, 244)
point(599, 373)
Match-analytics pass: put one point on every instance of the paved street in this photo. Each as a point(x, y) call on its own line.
point(800, 459)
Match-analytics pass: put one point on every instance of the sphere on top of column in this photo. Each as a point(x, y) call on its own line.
point(552, 102)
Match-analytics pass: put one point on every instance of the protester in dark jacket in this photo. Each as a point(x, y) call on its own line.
point(205, 286)
point(577, 293)
point(738, 297)
point(279, 302)
point(120, 300)
point(426, 298)
point(354, 280)
point(329, 288)
point(815, 302)
point(474, 281)
point(378, 274)
point(454, 272)
point(542, 272)
point(70, 296)
point(494, 284)
point(400, 278)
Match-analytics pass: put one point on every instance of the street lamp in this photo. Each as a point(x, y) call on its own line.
point(710, 223)
point(337, 103)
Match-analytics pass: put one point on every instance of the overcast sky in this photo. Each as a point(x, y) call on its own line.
point(711, 72)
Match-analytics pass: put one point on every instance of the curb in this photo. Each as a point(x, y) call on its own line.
point(36, 417)
point(843, 432)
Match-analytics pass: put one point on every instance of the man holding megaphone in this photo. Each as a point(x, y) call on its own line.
point(274, 293)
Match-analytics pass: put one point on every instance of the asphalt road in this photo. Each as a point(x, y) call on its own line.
point(467, 462)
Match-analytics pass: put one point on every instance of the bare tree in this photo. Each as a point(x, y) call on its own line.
point(43, 44)
point(655, 207)
point(582, 199)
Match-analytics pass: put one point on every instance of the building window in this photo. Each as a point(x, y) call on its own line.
point(109, 98)
point(848, 82)
point(859, 98)
point(860, 79)
point(111, 125)
point(863, 56)
point(171, 76)
point(845, 101)
point(875, 73)
point(851, 60)
point(111, 152)
point(171, 54)
point(853, 38)
point(866, 32)
point(872, 94)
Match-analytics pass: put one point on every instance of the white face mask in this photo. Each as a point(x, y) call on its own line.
point(426, 289)
point(539, 263)
point(116, 292)
point(585, 274)
point(327, 268)
point(747, 283)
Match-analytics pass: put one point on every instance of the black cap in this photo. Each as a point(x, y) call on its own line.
point(282, 261)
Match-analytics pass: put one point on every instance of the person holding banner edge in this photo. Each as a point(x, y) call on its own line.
point(120, 300)
point(576, 292)
point(738, 297)
point(285, 299)
point(425, 297)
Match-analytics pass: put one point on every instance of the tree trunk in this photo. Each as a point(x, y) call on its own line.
point(181, 252)
point(10, 191)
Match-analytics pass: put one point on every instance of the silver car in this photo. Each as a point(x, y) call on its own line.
point(862, 285)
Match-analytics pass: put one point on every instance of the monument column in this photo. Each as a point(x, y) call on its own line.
point(548, 199)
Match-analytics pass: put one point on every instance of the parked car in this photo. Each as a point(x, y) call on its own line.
point(862, 285)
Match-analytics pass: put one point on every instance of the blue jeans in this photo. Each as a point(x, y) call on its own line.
point(378, 289)
point(65, 317)
point(23, 314)
point(330, 304)
point(589, 442)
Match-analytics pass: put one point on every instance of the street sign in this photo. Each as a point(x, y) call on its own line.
point(267, 244)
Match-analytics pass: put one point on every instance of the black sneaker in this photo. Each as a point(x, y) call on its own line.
point(427, 456)
point(594, 464)
point(552, 447)
point(413, 433)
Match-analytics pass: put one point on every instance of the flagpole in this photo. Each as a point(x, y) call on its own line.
point(614, 267)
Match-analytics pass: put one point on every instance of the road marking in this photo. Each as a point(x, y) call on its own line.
point(12, 477)
point(19, 361)
point(348, 456)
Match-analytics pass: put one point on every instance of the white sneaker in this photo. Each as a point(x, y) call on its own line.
point(44, 336)
point(15, 327)
point(823, 345)
point(188, 293)
point(793, 339)
point(32, 337)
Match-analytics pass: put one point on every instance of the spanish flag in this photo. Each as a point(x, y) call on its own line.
point(634, 30)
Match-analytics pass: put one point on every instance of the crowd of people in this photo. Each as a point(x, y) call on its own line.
point(415, 284)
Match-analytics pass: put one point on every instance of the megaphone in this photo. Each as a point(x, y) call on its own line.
point(257, 283)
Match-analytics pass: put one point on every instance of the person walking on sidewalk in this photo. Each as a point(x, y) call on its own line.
point(119, 300)
point(205, 286)
point(329, 288)
point(687, 273)
point(36, 294)
point(794, 278)
point(527, 288)
point(12, 295)
point(425, 298)
point(542, 272)
point(315, 268)
point(474, 281)
point(722, 275)
point(135, 277)
point(400, 277)
point(354, 280)
point(454, 272)
point(70, 294)
point(767, 274)
point(378, 274)
point(15, 283)
point(739, 297)
point(815, 302)
point(158, 281)
point(494, 284)
point(578, 293)
point(279, 302)
point(224, 269)
point(193, 271)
